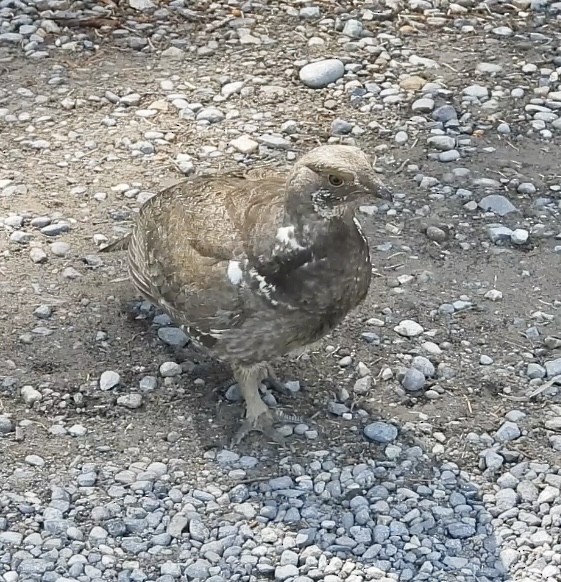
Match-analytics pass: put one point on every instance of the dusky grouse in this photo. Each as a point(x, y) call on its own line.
point(257, 265)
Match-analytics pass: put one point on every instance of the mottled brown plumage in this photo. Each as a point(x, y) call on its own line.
point(257, 265)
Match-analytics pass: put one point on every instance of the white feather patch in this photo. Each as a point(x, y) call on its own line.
point(286, 235)
point(216, 333)
point(265, 288)
point(235, 274)
point(358, 226)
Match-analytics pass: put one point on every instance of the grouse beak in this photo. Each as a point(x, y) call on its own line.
point(376, 188)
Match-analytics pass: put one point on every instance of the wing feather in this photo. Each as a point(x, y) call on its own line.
point(185, 238)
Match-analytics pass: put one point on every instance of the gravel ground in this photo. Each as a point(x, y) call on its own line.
point(432, 434)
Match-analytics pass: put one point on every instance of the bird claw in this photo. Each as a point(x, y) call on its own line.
point(275, 384)
point(270, 381)
point(262, 424)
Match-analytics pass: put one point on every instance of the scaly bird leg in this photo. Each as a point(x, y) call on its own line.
point(258, 416)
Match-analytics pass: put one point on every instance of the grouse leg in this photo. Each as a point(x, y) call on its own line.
point(258, 416)
point(267, 375)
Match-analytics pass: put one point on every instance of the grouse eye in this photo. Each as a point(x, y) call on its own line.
point(335, 180)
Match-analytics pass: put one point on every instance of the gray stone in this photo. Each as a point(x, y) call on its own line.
point(210, 114)
point(444, 113)
point(549, 494)
point(506, 499)
point(353, 28)
point(132, 99)
point(285, 572)
point(131, 401)
point(381, 432)
point(71, 273)
point(555, 442)
point(553, 368)
point(32, 567)
point(526, 188)
point(322, 73)
point(493, 461)
point(109, 379)
point(30, 395)
point(461, 530)
point(337, 408)
point(10, 38)
point(278, 483)
point(477, 91)
point(362, 385)
point(35, 460)
point(173, 336)
point(60, 249)
point(310, 12)
point(170, 369)
point(423, 105)
point(274, 141)
point(508, 431)
point(148, 383)
point(177, 524)
point(527, 491)
point(341, 127)
point(553, 423)
point(503, 31)
point(499, 234)
point(142, 5)
point(519, 236)
point(424, 365)
point(441, 142)
point(409, 328)
point(245, 145)
point(449, 156)
point(535, 371)
point(497, 204)
point(414, 380)
point(173, 52)
point(55, 229)
point(199, 570)
point(43, 311)
point(6, 425)
point(38, 255)
point(11, 538)
point(488, 68)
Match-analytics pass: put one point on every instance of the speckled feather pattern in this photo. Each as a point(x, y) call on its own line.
point(242, 270)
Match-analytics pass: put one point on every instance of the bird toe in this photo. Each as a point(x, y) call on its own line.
point(273, 383)
point(264, 423)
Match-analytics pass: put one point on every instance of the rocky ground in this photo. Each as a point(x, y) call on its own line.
point(430, 448)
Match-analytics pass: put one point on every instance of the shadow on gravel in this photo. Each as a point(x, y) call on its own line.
point(403, 519)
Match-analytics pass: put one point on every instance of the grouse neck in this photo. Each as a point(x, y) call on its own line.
point(312, 207)
point(307, 228)
point(300, 210)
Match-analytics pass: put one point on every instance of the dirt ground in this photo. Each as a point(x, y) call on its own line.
point(64, 355)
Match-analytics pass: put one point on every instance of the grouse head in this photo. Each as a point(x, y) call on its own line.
point(333, 176)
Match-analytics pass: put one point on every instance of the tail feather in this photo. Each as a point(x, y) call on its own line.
point(120, 244)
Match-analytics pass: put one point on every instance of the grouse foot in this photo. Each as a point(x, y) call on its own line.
point(272, 380)
point(258, 415)
point(264, 423)
point(266, 376)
